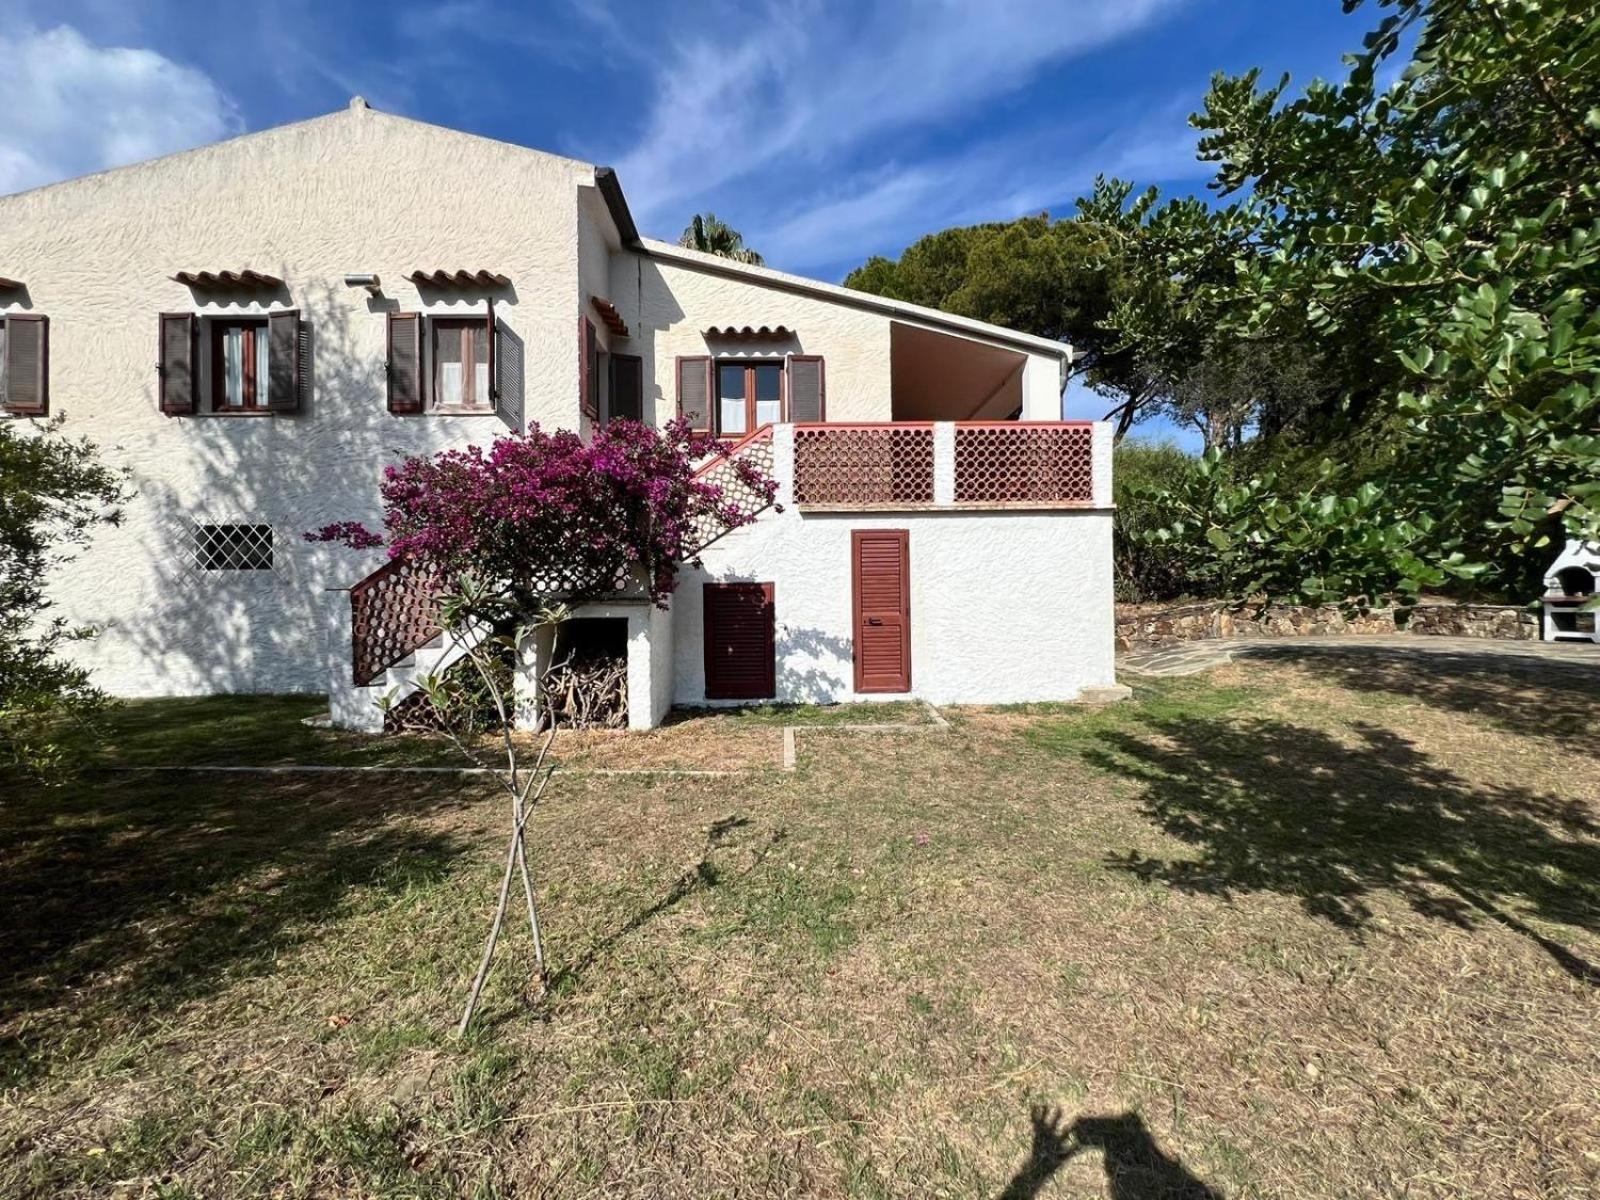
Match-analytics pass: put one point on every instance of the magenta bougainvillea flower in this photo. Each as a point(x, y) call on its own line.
point(550, 513)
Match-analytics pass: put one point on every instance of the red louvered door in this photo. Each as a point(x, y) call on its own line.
point(882, 577)
point(738, 641)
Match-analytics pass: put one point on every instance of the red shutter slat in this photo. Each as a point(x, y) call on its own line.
point(405, 362)
point(694, 392)
point(881, 587)
point(26, 386)
point(587, 381)
point(283, 361)
point(806, 388)
point(177, 351)
point(740, 660)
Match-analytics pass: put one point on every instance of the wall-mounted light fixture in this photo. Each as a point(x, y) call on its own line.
point(370, 282)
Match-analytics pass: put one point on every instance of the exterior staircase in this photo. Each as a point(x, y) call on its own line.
point(386, 639)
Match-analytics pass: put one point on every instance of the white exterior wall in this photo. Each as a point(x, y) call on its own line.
point(357, 191)
point(660, 632)
point(669, 306)
point(1005, 606)
point(1041, 389)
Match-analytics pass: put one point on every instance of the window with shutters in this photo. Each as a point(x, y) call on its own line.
point(461, 365)
point(233, 547)
point(740, 661)
point(233, 365)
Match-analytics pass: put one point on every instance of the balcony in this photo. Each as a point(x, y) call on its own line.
point(947, 464)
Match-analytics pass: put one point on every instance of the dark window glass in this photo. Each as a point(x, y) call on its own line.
point(233, 547)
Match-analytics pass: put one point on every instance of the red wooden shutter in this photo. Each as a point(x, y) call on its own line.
point(694, 392)
point(587, 382)
point(508, 376)
point(627, 388)
point(405, 363)
point(806, 401)
point(26, 386)
point(178, 387)
point(739, 651)
point(881, 576)
point(283, 361)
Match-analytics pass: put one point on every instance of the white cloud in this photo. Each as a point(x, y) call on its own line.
point(802, 87)
point(71, 107)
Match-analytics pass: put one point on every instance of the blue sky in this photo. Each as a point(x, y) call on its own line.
point(825, 132)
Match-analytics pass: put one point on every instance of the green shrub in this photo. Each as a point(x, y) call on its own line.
point(1144, 571)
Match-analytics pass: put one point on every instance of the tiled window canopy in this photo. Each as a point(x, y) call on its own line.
point(441, 278)
point(748, 332)
point(229, 279)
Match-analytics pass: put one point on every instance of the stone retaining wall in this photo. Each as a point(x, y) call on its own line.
point(1148, 626)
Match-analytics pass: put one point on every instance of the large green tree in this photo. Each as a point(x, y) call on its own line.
point(1439, 237)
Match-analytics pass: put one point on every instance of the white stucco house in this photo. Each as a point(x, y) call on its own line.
point(257, 327)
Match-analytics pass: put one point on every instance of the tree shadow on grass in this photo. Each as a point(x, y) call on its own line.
point(127, 896)
point(1136, 1167)
point(1277, 807)
point(701, 876)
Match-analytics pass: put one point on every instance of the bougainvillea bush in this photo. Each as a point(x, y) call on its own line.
point(541, 513)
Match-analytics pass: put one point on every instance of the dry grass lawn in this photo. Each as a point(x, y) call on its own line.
point(1293, 929)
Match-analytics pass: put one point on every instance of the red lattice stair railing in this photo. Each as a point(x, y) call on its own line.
point(394, 612)
point(755, 448)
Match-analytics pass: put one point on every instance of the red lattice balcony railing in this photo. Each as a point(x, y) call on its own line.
point(1024, 464)
point(863, 465)
point(393, 612)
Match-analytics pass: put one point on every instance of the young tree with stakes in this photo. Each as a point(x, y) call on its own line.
point(518, 534)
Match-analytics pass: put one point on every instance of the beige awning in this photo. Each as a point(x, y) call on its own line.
point(213, 279)
point(459, 278)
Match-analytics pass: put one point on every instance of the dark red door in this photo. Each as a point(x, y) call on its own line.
point(882, 576)
point(740, 663)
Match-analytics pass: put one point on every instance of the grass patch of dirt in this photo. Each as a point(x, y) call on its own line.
point(1276, 931)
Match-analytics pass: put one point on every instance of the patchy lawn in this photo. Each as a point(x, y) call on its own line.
point(268, 731)
point(1294, 929)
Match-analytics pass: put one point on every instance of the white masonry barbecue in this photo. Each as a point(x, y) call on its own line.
point(1569, 584)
